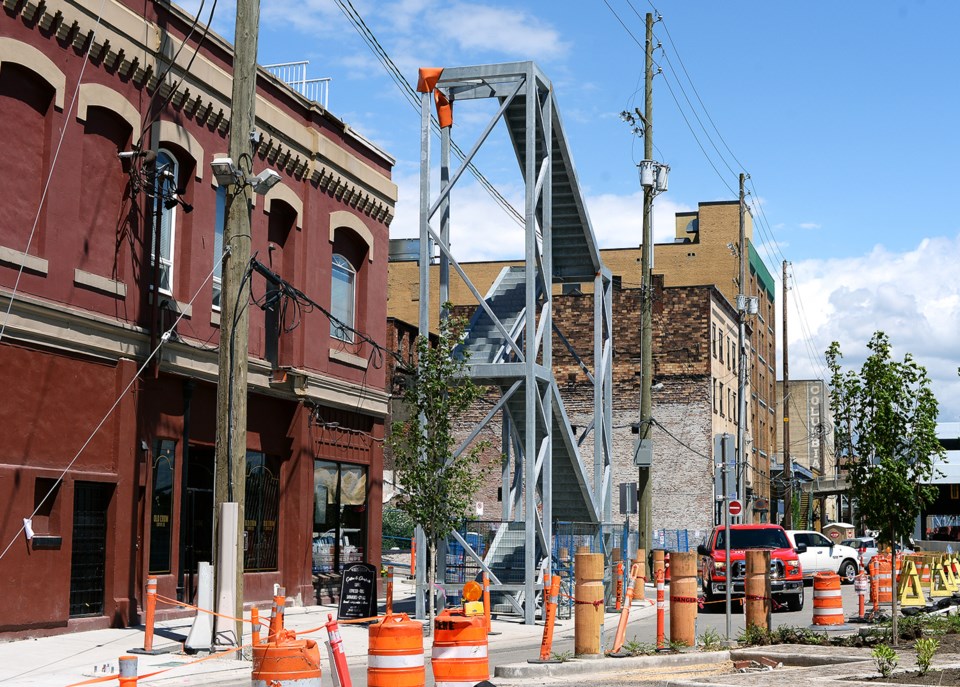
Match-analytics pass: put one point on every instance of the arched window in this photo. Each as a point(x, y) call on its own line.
point(165, 209)
point(343, 297)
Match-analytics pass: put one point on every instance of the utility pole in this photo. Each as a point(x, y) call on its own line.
point(645, 483)
point(231, 449)
point(787, 462)
point(742, 298)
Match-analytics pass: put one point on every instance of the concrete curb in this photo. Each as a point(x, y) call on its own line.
point(578, 666)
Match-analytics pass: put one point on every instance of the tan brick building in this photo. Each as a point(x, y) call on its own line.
point(811, 444)
point(703, 254)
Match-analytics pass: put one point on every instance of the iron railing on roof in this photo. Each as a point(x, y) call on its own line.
point(294, 74)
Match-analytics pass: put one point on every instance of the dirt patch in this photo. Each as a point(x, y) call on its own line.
point(949, 644)
point(947, 678)
point(661, 673)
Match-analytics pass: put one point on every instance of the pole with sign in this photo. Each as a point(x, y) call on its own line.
point(726, 529)
point(723, 448)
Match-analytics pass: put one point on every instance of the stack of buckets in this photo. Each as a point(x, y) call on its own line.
point(459, 656)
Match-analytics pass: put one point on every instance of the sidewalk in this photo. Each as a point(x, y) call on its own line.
point(70, 658)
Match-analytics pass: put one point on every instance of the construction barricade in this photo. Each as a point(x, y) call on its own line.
point(395, 654)
point(459, 656)
point(827, 602)
point(910, 588)
point(550, 617)
point(881, 578)
point(286, 660)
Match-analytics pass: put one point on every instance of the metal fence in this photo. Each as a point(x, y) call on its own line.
point(501, 546)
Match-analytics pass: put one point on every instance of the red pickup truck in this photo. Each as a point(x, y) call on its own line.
point(786, 580)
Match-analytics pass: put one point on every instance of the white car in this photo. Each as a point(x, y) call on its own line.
point(825, 555)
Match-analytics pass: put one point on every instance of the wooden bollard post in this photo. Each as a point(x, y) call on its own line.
point(588, 599)
point(683, 599)
point(639, 592)
point(757, 589)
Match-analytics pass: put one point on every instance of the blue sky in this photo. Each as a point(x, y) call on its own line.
point(844, 115)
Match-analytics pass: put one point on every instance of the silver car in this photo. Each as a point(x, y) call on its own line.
point(865, 546)
point(825, 555)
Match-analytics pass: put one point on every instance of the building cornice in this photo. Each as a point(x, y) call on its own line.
point(61, 327)
point(129, 46)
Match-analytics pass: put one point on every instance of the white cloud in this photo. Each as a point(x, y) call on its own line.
point(618, 220)
point(479, 28)
point(419, 32)
point(481, 230)
point(809, 225)
point(913, 296)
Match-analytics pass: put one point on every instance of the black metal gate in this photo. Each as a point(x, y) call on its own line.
point(88, 563)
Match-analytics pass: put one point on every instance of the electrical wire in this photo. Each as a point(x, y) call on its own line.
point(186, 70)
point(356, 19)
point(164, 338)
point(53, 167)
point(284, 290)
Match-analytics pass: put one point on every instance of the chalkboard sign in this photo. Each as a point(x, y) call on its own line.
point(358, 592)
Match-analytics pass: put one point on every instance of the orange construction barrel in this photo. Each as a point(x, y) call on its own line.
point(286, 661)
point(459, 656)
point(827, 602)
point(395, 654)
point(884, 580)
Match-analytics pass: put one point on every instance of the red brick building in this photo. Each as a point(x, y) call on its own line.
point(115, 468)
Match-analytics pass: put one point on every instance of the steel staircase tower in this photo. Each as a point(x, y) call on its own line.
point(511, 335)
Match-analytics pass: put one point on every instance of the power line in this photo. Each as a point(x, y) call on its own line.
point(53, 167)
point(355, 18)
point(173, 60)
point(167, 335)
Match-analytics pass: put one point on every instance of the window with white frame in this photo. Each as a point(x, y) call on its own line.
point(165, 190)
point(343, 296)
point(220, 221)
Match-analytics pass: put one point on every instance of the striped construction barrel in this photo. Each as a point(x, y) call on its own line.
point(395, 653)
point(827, 602)
point(883, 576)
point(286, 660)
point(459, 656)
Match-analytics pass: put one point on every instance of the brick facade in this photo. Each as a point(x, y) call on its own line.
point(684, 318)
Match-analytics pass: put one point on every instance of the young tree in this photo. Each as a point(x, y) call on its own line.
point(885, 417)
point(437, 484)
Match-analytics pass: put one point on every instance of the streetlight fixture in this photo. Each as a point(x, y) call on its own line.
point(227, 173)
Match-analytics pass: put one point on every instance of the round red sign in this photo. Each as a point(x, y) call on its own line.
point(735, 507)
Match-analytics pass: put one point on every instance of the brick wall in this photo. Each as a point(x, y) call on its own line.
point(683, 472)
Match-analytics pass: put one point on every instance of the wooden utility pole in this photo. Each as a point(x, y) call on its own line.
point(645, 483)
point(231, 447)
point(785, 403)
point(742, 307)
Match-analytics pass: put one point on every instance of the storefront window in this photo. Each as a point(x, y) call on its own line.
point(161, 505)
point(261, 510)
point(339, 515)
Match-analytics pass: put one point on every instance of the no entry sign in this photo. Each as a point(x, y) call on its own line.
point(735, 507)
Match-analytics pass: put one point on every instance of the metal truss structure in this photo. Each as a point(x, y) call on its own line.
point(547, 467)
